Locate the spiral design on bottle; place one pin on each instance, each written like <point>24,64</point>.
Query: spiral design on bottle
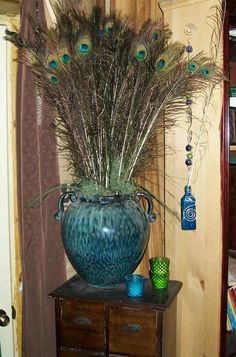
<point>190,29</point>
<point>190,213</point>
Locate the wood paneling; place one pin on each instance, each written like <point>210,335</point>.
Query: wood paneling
<point>196,255</point>
<point>101,3</point>
<point>140,10</point>
<point>124,7</point>
<point>11,8</point>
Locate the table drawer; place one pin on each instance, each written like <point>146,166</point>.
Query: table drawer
<point>79,354</point>
<point>134,332</point>
<point>82,325</point>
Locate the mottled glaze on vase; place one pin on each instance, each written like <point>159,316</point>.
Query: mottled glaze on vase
<point>105,238</point>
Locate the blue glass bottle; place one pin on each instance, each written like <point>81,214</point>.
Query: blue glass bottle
<point>188,210</point>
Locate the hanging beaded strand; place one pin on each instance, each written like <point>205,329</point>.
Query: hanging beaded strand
<point>189,102</point>
<point>188,202</point>
<point>189,30</point>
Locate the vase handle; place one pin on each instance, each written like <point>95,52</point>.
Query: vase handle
<point>150,214</point>
<point>73,196</point>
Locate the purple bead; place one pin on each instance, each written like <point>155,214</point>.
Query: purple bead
<point>189,48</point>
<point>188,162</point>
<point>189,101</point>
<point>188,147</point>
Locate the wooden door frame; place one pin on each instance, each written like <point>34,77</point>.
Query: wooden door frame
<point>7,205</point>
<point>230,4</point>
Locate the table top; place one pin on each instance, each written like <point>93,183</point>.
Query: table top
<point>77,289</point>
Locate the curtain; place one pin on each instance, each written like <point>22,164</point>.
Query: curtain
<point>43,265</point>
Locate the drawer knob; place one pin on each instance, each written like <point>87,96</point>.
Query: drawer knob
<point>82,321</point>
<point>133,328</point>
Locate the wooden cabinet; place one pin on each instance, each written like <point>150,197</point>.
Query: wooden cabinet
<point>93,322</point>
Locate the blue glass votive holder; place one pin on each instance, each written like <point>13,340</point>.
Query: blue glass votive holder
<point>134,285</point>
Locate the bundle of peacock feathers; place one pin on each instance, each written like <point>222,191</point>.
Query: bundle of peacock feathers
<point>115,91</point>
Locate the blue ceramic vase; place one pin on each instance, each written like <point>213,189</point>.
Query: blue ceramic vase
<point>105,237</point>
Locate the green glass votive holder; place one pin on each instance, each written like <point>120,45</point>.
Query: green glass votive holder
<point>159,265</point>
<point>159,281</point>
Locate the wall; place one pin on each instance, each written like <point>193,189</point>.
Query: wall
<point>196,255</point>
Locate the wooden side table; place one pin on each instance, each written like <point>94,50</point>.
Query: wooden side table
<point>93,322</point>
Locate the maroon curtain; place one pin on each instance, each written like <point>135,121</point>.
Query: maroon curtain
<point>43,265</point>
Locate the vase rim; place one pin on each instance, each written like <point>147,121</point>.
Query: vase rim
<point>116,197</point>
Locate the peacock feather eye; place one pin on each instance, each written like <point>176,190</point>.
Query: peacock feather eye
<point>21,42</point>
<point>169,58</point>
<point>141,53</point>
<point>161,63</point>
<point>205,72</point>
<point>156,36</point>
<point>92,58</point>
<point>100,33</point>
<point>192,67</point>
<point>108,27</point>
<point>130,58</point>
<point>83,46</point>
<point>53,79</point>
<point>53,64</point>
<point>65,58</point>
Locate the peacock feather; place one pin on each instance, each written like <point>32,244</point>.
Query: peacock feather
<point>169,58</point>
<point>115,90</point>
